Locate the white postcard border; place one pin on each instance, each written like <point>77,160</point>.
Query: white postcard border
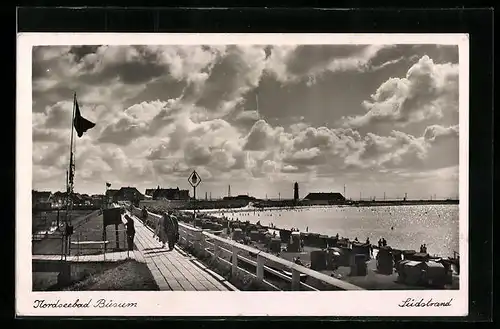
<point>175,303</point>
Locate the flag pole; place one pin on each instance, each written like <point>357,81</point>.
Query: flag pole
<point>69,186</point>
<point>72,160</point>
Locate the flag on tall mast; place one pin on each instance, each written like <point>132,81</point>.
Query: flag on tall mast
<point>81,125</point>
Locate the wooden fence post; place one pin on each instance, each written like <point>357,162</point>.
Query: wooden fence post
<point>216,249</point>
<point>234,259</point>
<point>203,244</point>
<point>183,237</point>
<point>295,280</point>
<point>104,237</point>
<point>78,246</point>
<point>117,237</point>
<point>260,268</point>
<point>69,245</point>
<point>125,239</point>
<point>197,245</point>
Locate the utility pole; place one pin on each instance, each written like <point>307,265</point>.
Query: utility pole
<point>344,192</point>
<point>384,196</point>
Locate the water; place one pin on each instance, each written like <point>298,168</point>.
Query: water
<point>434,225</point>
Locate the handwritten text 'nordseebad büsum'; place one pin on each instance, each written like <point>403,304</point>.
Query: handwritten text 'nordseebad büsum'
<point>100,303</point>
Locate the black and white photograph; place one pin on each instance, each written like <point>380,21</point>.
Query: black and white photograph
<point>223,168</point>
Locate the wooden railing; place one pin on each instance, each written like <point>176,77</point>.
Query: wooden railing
<point>217,247</point>
<point>87,217</point>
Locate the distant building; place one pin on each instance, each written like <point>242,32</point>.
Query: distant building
<point>325,198</point>
<point>128,193</point>
<point>240,197</point>
<point>97,200</point>
<point>40,198</point>
<point>170,194</point>
<point>110,195</point>
<point>78,199</point>
<point>233,201</point>
<point>150,192</point>
<point>58,198</point>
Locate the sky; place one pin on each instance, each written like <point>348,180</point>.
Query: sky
<point>375,119</point>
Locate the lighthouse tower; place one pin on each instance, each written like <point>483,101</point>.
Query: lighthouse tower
<point>296,192</point>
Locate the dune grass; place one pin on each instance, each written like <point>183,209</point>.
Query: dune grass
<point>128,275</point>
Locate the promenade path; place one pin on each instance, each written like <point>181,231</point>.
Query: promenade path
<point>174,270</point>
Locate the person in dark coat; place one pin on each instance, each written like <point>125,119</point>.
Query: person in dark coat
<point>145,216</point>
<point>130,233</point>
<point>172,229</point>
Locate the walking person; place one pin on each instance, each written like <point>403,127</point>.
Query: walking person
<point>160,231</point>
<point>172,229</point>
<point>145,216</point>
<point>130,233</point>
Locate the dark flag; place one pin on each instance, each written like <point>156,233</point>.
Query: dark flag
<point>108,184</point>
<point>81,124</point>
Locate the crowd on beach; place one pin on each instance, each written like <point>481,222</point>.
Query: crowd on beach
<point>166,229</point>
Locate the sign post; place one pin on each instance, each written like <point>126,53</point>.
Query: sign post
<point>194,180</point>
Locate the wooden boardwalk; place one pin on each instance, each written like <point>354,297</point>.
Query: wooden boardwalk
<point>108,257</point>
<point>174,270</point>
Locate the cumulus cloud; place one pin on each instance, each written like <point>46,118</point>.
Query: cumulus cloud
<point>391,150</point>
<point>140,119</point>
<point>428,90</point>
<point>294,63</point>
<point>435,133</point>
<point>262,136</point>
<point>247,118</point>
<point>238,71</point>
<point>162,111</point>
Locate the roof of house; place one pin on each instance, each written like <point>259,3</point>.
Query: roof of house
<point>111,192</point>
<point>167,192</point>
<point>239,197</point>
<point>41,194</point>
<point>128,190</point>
<point>324,196</point>
<point>131,189</point>
<point>77,196</point>
<point>150,191</point>
<point>434,264</point>
<point>412,263</point>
